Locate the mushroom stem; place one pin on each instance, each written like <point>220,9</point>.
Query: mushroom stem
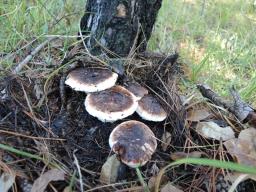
<point>143,183</point>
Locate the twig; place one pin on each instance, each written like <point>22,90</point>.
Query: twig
<point>30,137</point>
<point>207,92</point>
<point>32,54</point>
<point>79,172</point>
<point>243,111</point>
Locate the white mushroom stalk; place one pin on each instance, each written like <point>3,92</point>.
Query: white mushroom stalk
<point>138,90</point>
<point>135,143</point>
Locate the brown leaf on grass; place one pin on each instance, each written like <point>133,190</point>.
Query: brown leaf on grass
<point>244,147</point>
<point>180,155</point>
<point>41,183</point>
<point>214,131</point>
<point>109,171</point>
<point>198,115</point>
<point>170,188</point>
<point>166,140</point>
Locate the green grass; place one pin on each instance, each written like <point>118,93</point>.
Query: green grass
<point>206,162</point>
<point>22,21</point>
<point>216,39</point>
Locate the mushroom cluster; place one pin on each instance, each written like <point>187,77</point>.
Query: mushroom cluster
<point>133,141</point>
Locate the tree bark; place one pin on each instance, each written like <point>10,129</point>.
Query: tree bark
<point>118,27</point>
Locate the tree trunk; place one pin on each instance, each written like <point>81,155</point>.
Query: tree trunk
<point>117,27</point>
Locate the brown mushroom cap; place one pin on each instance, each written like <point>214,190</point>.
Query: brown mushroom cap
<point>134,142</point>
<point>111,104</point>
<point>150,109</point>
<point>138,90</point>
<point>91,79</point>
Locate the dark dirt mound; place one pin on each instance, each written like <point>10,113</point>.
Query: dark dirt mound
<point>40,116</point>
<point>31,108</point>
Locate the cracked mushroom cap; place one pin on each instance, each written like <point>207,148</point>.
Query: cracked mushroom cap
<point>138,90</point>
<point>111,104</point>
<point>150,109</point>
<point>91,79</point>
<point>134,142</point>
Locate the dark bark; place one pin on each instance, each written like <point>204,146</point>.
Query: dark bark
<point>120,26</point>
<point>243,111</point>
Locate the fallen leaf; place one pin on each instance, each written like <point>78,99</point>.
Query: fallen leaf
<point>248,135</point>
<point>236,178</point>
<point>243,148</point>
<point>214,131</point>
<point>170,188</point>
<point>6,181</point>
<point>198,115</point>
<point>166,140</point>
<point>154,170</point>
<point>68,189</point>
<point>38,89</point>
<point>180,155</point>
<point>109,171</point>
<point>152,181</point>
<point>41,183</point>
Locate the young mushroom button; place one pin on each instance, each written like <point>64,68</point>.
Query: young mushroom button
<point>91,79</point>
<point>111,104</point>
<point>138,90</point>
<point>134,142</point>
<point>150,109</point>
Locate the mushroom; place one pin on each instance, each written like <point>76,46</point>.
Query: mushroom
<point>138,90</point>
<point>150,109</point>
<point>134,142</point>
<point>111,104</point>
<point>91,79</point>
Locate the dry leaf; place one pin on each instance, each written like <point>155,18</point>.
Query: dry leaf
<point>180,155</point>
<point>243,148</point>
<point>152,181</point>
<point>154,170</point>
<point>198,115</point>
<point>41,183</point>
<point>68,189</point>
<point>170,188</point>
<point>166,140</point>
<point>248,135</point>
<point>236,178</point>
<point>214,131</point>
<point>109,171</point>
<point>6,182</point>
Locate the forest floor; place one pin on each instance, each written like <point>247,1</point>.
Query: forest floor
<point>216,44</point>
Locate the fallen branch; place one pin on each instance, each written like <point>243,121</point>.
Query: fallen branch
<point>242,110</point>
<point>31,55</point>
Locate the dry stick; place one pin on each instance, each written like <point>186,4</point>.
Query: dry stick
<point>243,111</point>
<point>32,54</point>
<point>30,137</point>
<point>79,171</point>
